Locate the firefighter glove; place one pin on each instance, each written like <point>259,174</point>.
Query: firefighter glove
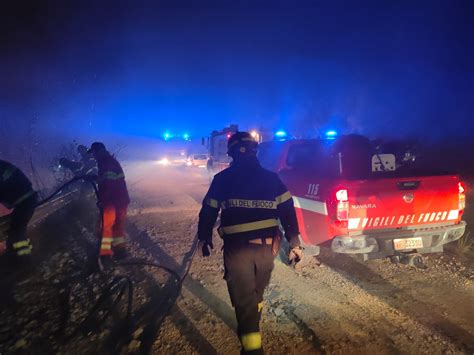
<point>205,248</point>
<point>295,255</point>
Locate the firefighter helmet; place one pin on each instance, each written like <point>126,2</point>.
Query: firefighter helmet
<point>96,147</point>
<point>241,144</point>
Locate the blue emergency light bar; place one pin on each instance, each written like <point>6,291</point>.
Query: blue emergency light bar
<point>280,135</point>
<point>331,134</point>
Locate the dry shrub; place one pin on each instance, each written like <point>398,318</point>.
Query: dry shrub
<point>465,244</point>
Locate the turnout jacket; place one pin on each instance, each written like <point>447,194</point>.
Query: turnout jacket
<point>252,201</point>
<point>111,182</point>
<point>15,187</point>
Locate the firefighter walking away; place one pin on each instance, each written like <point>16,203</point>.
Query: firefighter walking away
<point>113,201</point>
<point>16,193</point>
<point>253,202</point>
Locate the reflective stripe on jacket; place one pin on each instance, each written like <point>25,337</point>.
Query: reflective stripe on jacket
<point>111,183</point>
<point>252,201</point>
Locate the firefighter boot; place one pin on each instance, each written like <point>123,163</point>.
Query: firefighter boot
<point>251,344</point>
<point>18,267</point>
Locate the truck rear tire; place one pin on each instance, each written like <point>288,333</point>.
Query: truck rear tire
<point>415,260</point>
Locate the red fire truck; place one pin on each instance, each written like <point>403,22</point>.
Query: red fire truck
<point>357,201</point>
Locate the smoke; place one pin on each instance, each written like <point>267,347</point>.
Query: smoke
<point>94,70</point>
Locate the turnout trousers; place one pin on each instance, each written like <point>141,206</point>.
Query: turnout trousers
<point>17,240</point>
<point>113,229</point>
<point>248,269</point>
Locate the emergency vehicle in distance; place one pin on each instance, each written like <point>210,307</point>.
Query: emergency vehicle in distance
<point>173,150</point>
<point>197,160</point>
<point>217,147</point>
<point>357,200</point>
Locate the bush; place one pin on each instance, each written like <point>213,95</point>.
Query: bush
<point>465,244</point>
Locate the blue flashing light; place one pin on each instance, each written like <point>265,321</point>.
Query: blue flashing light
<point>280,134</point>
<point>186,136</point>
<point>331,134</point>
<point>166,136</point>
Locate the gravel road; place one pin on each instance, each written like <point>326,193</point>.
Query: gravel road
<point>343,305</point>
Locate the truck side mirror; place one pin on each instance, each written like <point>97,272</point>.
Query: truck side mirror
<point>203,141</point>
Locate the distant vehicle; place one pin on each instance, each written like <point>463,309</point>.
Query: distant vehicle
<point>217,146</point>
<point>357,201</point>
<point>173,158</point>
<point>197,160</point>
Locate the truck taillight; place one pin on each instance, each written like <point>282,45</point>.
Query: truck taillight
<point>342,210</point>
<point>462,196</point>
<point>341,195</point>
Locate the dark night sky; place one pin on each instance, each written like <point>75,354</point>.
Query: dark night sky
<point>92,68</point>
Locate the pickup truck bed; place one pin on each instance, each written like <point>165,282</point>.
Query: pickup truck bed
<point>377,215</point>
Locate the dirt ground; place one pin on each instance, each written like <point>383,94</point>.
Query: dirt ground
<point>343,306</point>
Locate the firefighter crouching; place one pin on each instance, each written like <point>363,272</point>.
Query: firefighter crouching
<point>17,193</point>
<point>253,201</point>
<point>113,201</point>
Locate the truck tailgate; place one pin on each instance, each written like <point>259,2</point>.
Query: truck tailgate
<point>401,202</point>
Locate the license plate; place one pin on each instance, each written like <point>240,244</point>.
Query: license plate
<point>407,243</point>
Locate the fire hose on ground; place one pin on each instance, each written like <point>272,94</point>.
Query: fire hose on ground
<point>120,285</point>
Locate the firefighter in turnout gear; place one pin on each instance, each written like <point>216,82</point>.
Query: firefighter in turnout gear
<point>17,193</point>
<point>85,166</point>
<point>113,201</point>
<point>253,202</point>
